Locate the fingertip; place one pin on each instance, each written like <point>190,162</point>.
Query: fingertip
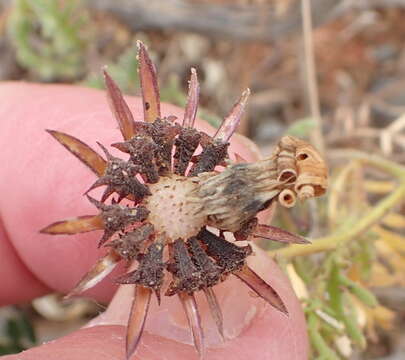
<point>97,343</point>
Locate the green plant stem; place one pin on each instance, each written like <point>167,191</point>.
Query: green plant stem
<point>376,161</point>
<point>340,237</point>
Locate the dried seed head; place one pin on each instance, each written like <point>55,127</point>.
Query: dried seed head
<point>174,198</point>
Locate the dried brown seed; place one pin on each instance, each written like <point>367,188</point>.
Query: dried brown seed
<point>228,256</point>
<point>117,218</point>
<point>143,151</point>
<point>213,154</point>
<point>120,178</point>
<point>150,271</point>
<point>132,243</point>
<point>186,277</point>
<point>186,144</point>
<point>246,230</point>
<point>163,133</point>
<point>210,272</point>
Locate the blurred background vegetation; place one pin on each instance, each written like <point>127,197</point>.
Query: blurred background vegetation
<point>335,76</point>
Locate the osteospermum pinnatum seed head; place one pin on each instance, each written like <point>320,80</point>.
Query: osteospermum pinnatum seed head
<point>179,206</point>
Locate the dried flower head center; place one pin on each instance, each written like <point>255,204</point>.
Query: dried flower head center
<point>176,195</point>
<point>171,211</point>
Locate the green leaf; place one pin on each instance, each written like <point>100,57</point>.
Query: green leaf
<point>344,307</point>
<point>349,319</point>
<point>359,291</point>
<point>317,340</point>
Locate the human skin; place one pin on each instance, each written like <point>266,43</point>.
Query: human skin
<point>40,182</point>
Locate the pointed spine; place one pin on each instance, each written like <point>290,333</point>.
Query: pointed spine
<point>192,100</point>
<point>149,85</point>
<point>119,108</point>
<point>98,272</point>
<point>137,318</point>
<point>76,225</point>
<point>276,234</point>
<point>239,159</point>
<point>231,122</point>
<point>194,321</point>
<point>261,288</point>
<point>82,151</point>
<point>215,310</point>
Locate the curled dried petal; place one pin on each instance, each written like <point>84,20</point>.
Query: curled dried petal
<point>287,198</point>
<point>310,167</point>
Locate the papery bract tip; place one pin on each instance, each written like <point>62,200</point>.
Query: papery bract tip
<point>81,150</point>
<point>261,288</point>
<point>231,122</point>
<point>190,111</point>
<point>119,107</point>
<point>76,225</point>
<point>149,85</point>
<point>137,317</point>
<point>97,273</point>
<point>194,321</point>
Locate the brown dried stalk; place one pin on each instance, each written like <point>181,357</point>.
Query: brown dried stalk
<point>196,195</point>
